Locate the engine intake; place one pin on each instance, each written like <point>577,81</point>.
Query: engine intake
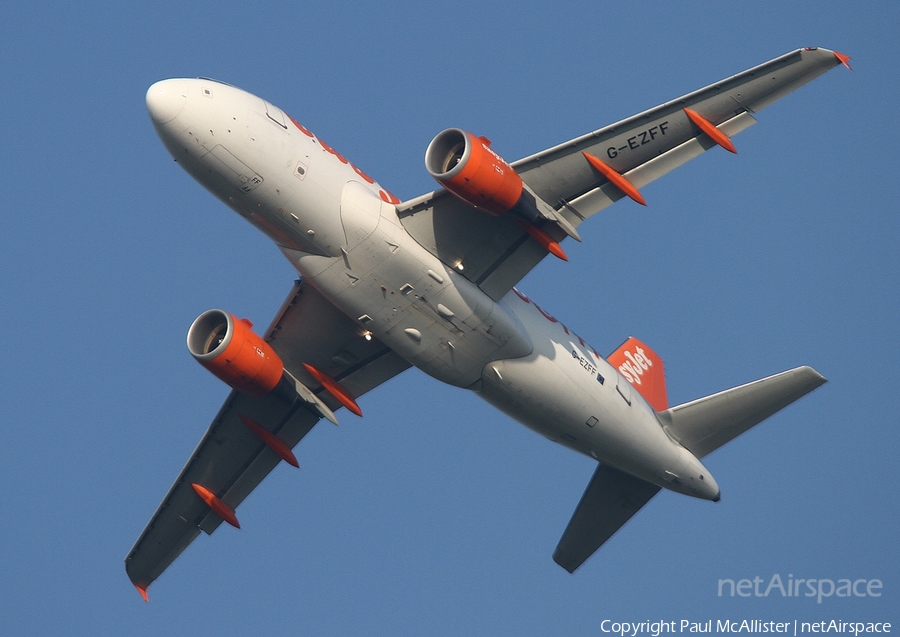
<point>466,166</point>
<point>234,353</point>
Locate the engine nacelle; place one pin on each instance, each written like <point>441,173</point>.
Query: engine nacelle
<point>230,349</point>
<point>466,166</point>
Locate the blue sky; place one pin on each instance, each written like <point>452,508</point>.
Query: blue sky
<point>435,514</point>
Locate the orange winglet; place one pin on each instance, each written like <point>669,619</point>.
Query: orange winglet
<point>272,441</point>
<point>334,388</point>
<point>544,239</point>
<point>617,180</point>
<point>845,59</point>
<point>710,129</point>
<point>143,591</point>
<point>222,510</point>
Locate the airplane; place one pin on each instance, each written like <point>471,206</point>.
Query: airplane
<point>385,285</point>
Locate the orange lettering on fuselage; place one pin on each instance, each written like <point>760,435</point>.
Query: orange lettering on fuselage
<point>553,319</point>
<point>300,127</point>
<point>390,198</point>
<point>333,152</point>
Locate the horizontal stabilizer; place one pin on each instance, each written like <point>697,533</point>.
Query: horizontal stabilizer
<point>609,501</point>
<point>702,426</point>
<point>705,424</point>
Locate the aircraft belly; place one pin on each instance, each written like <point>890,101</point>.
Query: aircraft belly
<point>348,242</point>
<point>593,422</point>
<point>535,393</point>
<point>408,299</point>
<point>572,396</point>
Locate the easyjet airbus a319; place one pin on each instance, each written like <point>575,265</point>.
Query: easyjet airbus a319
<point>384,285</point>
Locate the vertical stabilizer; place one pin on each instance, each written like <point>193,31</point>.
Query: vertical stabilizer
<point>643,368</point>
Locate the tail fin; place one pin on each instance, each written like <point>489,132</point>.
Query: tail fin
<point>705,424</point>
<point>643,368</point>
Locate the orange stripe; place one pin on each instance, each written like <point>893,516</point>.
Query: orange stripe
<point>615,178</point>
<point>710,129</point>
<point>388,197</point>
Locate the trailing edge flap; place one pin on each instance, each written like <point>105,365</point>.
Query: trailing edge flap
<point>609,501</point>
<point>705,424</point>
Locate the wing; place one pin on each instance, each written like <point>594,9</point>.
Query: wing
<point>495,253</point>
<point>231,460</point>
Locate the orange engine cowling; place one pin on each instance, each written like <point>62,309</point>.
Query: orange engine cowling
<point>230,349</point>
<point>466,166</point>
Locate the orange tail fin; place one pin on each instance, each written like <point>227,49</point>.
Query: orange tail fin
<point>643,368</point>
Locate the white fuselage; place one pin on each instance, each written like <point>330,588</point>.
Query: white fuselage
<point>340,230</point>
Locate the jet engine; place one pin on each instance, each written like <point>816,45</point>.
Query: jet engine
<point>233,352</point>
<point>466,166</point>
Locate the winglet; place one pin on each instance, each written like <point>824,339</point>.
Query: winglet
<point>844,59</point>
<point>143,591</point>
<point>643,368</point>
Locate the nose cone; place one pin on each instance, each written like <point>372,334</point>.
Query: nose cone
<point>165,100</point>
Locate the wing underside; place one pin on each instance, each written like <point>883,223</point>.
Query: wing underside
<point>495,253</point>
<point>231,460</point>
